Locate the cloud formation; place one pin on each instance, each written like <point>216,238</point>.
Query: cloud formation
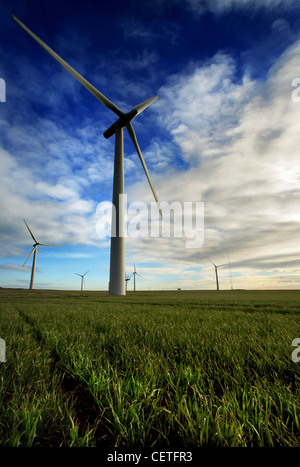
<point>222,6</point>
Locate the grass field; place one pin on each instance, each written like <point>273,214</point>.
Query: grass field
<point>163,369</point>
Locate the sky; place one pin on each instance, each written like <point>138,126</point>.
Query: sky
<point>224,134</point>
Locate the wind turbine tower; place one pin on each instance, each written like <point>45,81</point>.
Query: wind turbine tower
<point>34,251</point>
<point>216,271</point>
<point>117,247</point>
<point>82,278</point>
<point>134,274</point>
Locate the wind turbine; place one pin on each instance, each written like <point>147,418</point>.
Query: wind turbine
<point>216,271</point>
<point>82,278</point>
<point>134,274</point>
<point>127,278</point>
<point>117,248</point>
<point>34,251</point>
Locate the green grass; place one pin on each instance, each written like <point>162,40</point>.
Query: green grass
<point>163,369</point>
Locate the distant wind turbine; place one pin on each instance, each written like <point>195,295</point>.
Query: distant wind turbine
<point>34,251</point>
<point>127,278</point>
<point>82,278</point>
<point>117,248</point>
<point>134,274</point>
<point>216,271</point>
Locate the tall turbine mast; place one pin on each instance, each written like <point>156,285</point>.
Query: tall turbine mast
<point>216,272</point>
<point>134,274</point>
<point>117,248</point>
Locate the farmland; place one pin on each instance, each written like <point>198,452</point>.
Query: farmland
<point>163,369</point>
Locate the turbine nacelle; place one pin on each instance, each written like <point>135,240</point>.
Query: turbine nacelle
<point>125,119</point>
<point>120,123</point>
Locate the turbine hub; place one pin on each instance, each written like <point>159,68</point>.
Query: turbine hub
<point>120,123</point>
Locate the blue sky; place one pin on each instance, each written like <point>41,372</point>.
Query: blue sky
<point>224,132</point>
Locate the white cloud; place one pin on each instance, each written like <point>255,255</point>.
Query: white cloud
<point>221,6</point>
<point>55,212</point>
<point>14,267</point>
<point>205,99</point>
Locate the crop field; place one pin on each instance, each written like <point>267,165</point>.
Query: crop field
<point>152,369</point>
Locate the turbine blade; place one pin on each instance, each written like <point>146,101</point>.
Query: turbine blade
<point>136,145</point>
<point>30,231</point>
<point>77,274</point>
<point>47,244</point>
<point>33,249</point>
<point>144,105</point>
<point>211,262</point>
<point>85,273</point>
<point>73,72</point>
